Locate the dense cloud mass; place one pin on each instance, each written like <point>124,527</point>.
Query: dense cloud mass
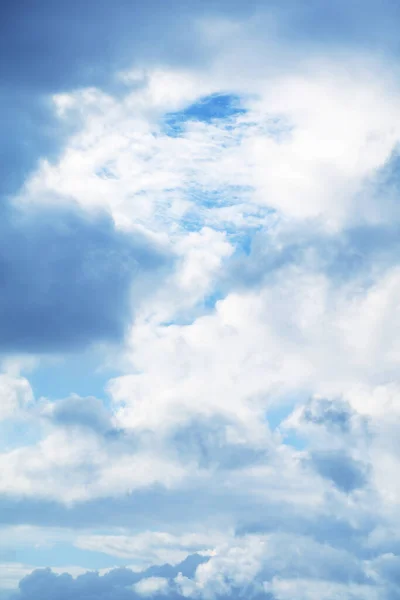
<point>199,307</point>
<point>66,278</point>
<point>219,580</point>
<point>117,583</point>
<point>59,46</point>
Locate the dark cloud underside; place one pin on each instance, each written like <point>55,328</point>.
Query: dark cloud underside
<point>65,279</point>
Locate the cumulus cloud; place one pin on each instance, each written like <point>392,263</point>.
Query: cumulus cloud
<point>248,566</point>
<point>78,59</point>
<point>152,586</point>
<point>113,583</point>
<point>15,395</point>
<point>61,45</point>
<point>254,414</point>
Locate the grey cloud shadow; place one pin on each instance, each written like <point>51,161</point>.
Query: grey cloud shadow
<point>116,584</point>
<point>358,252</point>
<point>204,441</point>
<point>66,277</point>
<point>346,473</point>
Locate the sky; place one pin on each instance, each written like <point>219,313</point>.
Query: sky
<point>199,307</point>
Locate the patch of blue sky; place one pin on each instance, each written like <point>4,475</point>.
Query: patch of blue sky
<point>243,240</point>
<point>73,374</point>
<point>17,432</point>
<point>207,202</point>
<point>204,306</point>
<point>276,415</point>
<point>225,196</point>
<point>191,222</point>
<point>211,300</point>
<point>209,109</point>
<point>64,554</point>
<point>106,172</point>
<point>290,438</point>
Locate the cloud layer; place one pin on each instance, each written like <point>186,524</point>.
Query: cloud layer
<point>200,206</point>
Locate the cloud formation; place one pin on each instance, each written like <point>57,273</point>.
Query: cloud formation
<point>66,278</point>
<point>208,199</point>
<point>117,583</point>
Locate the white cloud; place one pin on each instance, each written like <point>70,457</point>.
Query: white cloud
<point>341,126</point>
<point>299,333</point>
<point>151,586</point>
<point>11,573</point>
<point>233,566</point>
<point>250,563</point>
<point>309,148</point>
<point>72,466</point>
<point>152,547</point>
<point>15,395</point>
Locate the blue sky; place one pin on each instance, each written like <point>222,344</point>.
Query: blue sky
<point>199,308</point>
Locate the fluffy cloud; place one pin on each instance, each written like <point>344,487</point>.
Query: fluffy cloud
<point>152,586</point>
<point>207,358</point>
<point>113,583</point>
<point>15,394</point>
<point>253,414</point>
<point>258,566</point>
<point>56,47</point>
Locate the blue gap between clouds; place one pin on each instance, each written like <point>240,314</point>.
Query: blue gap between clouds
<point>215,198</point>
<point>75,374</point>
<point>242,242</point>
<point>276,415</point>
<point>13,431</point>
<point>205,110</point>
<point>203,203</point>
<point>61,555</point>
